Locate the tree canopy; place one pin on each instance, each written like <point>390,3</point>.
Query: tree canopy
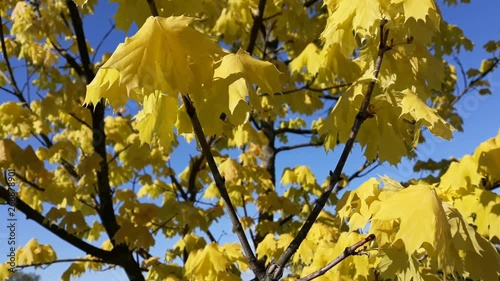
<point>88,137</point>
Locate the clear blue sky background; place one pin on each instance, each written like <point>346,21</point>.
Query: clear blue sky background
<point>479,21</point>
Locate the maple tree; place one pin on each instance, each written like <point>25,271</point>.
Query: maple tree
<point>238,79</point>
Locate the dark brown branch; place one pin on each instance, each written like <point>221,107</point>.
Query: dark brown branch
<point>7,62</point>
<point>291,147</point>
<point>105,209</point>
<point>349,251</point>
<point>245,213</point>
<point>307,86</point>
<point>152,8</point>
<point>117,153</point>
<point>69,59</point>
<point>462,70</point>
<point>295,131</point>
<point>221,187</point>
<point>102,41</point>
<point>335,176</point>
<point>7,90</point>
<point>59,232</point>
<point>195,167</point>
<point>285,219</point>
<point>80,120</point>
<point>473,82</point>
<point>210,236</point>
<point>257,23</point>
<point>361,169</point>
<point>309,3</point>
<point>178,185</point>
<point>46,264</point>
<point>338,86</point>
<point>26,181</point>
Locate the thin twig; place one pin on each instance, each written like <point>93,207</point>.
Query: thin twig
<point>301,145</point>
<point>295,131</point>
<point>335,176</point>
<point>41,264</point>
<point>473,82</point>
<point>117,153</point>
<point>102,40</point>
<point>69,59</point>
<point>349,251</point>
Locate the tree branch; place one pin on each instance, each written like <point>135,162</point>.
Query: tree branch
<point>59,232</point>
<point>276,272</point>
<point>309,3</point>
<point>291,147</point>
<point>473,82</point>
<point>58,261</point>
<point>257,23</point>
<point>102,40</point>
<point>295,131</point>
<point>105,209</point>
<point>361,169</point>
<point>7,62</point>
<point>152,8</point>
<point>69,59</point>
<point>349,251</point>
<point>221,187</point>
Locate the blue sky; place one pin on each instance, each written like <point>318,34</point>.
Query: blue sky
<point>479,21</point>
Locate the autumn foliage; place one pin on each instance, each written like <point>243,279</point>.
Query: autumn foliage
<point>244,81</point>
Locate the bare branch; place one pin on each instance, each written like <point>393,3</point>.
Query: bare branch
<point>473,82</point>
<point>102,40</point>
<point>359,172</point>
<point>335,176</point>
<point>221,187</point>
<point>349,251</point>
<point>7,61</point>
<point>61,233</point>
<point>26,181</point>
<point>46,264</point>
<point>69,59</point>
<point>117,153</point>
<point>309,3</point>
<point>291,147</point>
<point>295,131</point>
<point>257,23</point>
<point>152,8</point>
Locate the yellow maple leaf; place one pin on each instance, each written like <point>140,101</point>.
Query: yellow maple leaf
<point>261,73</point>
<point>158,118</point>
<point>411,104</point>
<point>165,54</point>
<point>310,58</point>
<point>33,252</point>
<point>433,234</point>
<point>207,263</point>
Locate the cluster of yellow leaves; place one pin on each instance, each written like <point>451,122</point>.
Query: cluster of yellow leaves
<point>31,253</point>
<point>467,185</point>
<point>454,223</point>
<point>408,75</point>
<point>425,226</point>
<point>167,57</point>
<point>215,262</point>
